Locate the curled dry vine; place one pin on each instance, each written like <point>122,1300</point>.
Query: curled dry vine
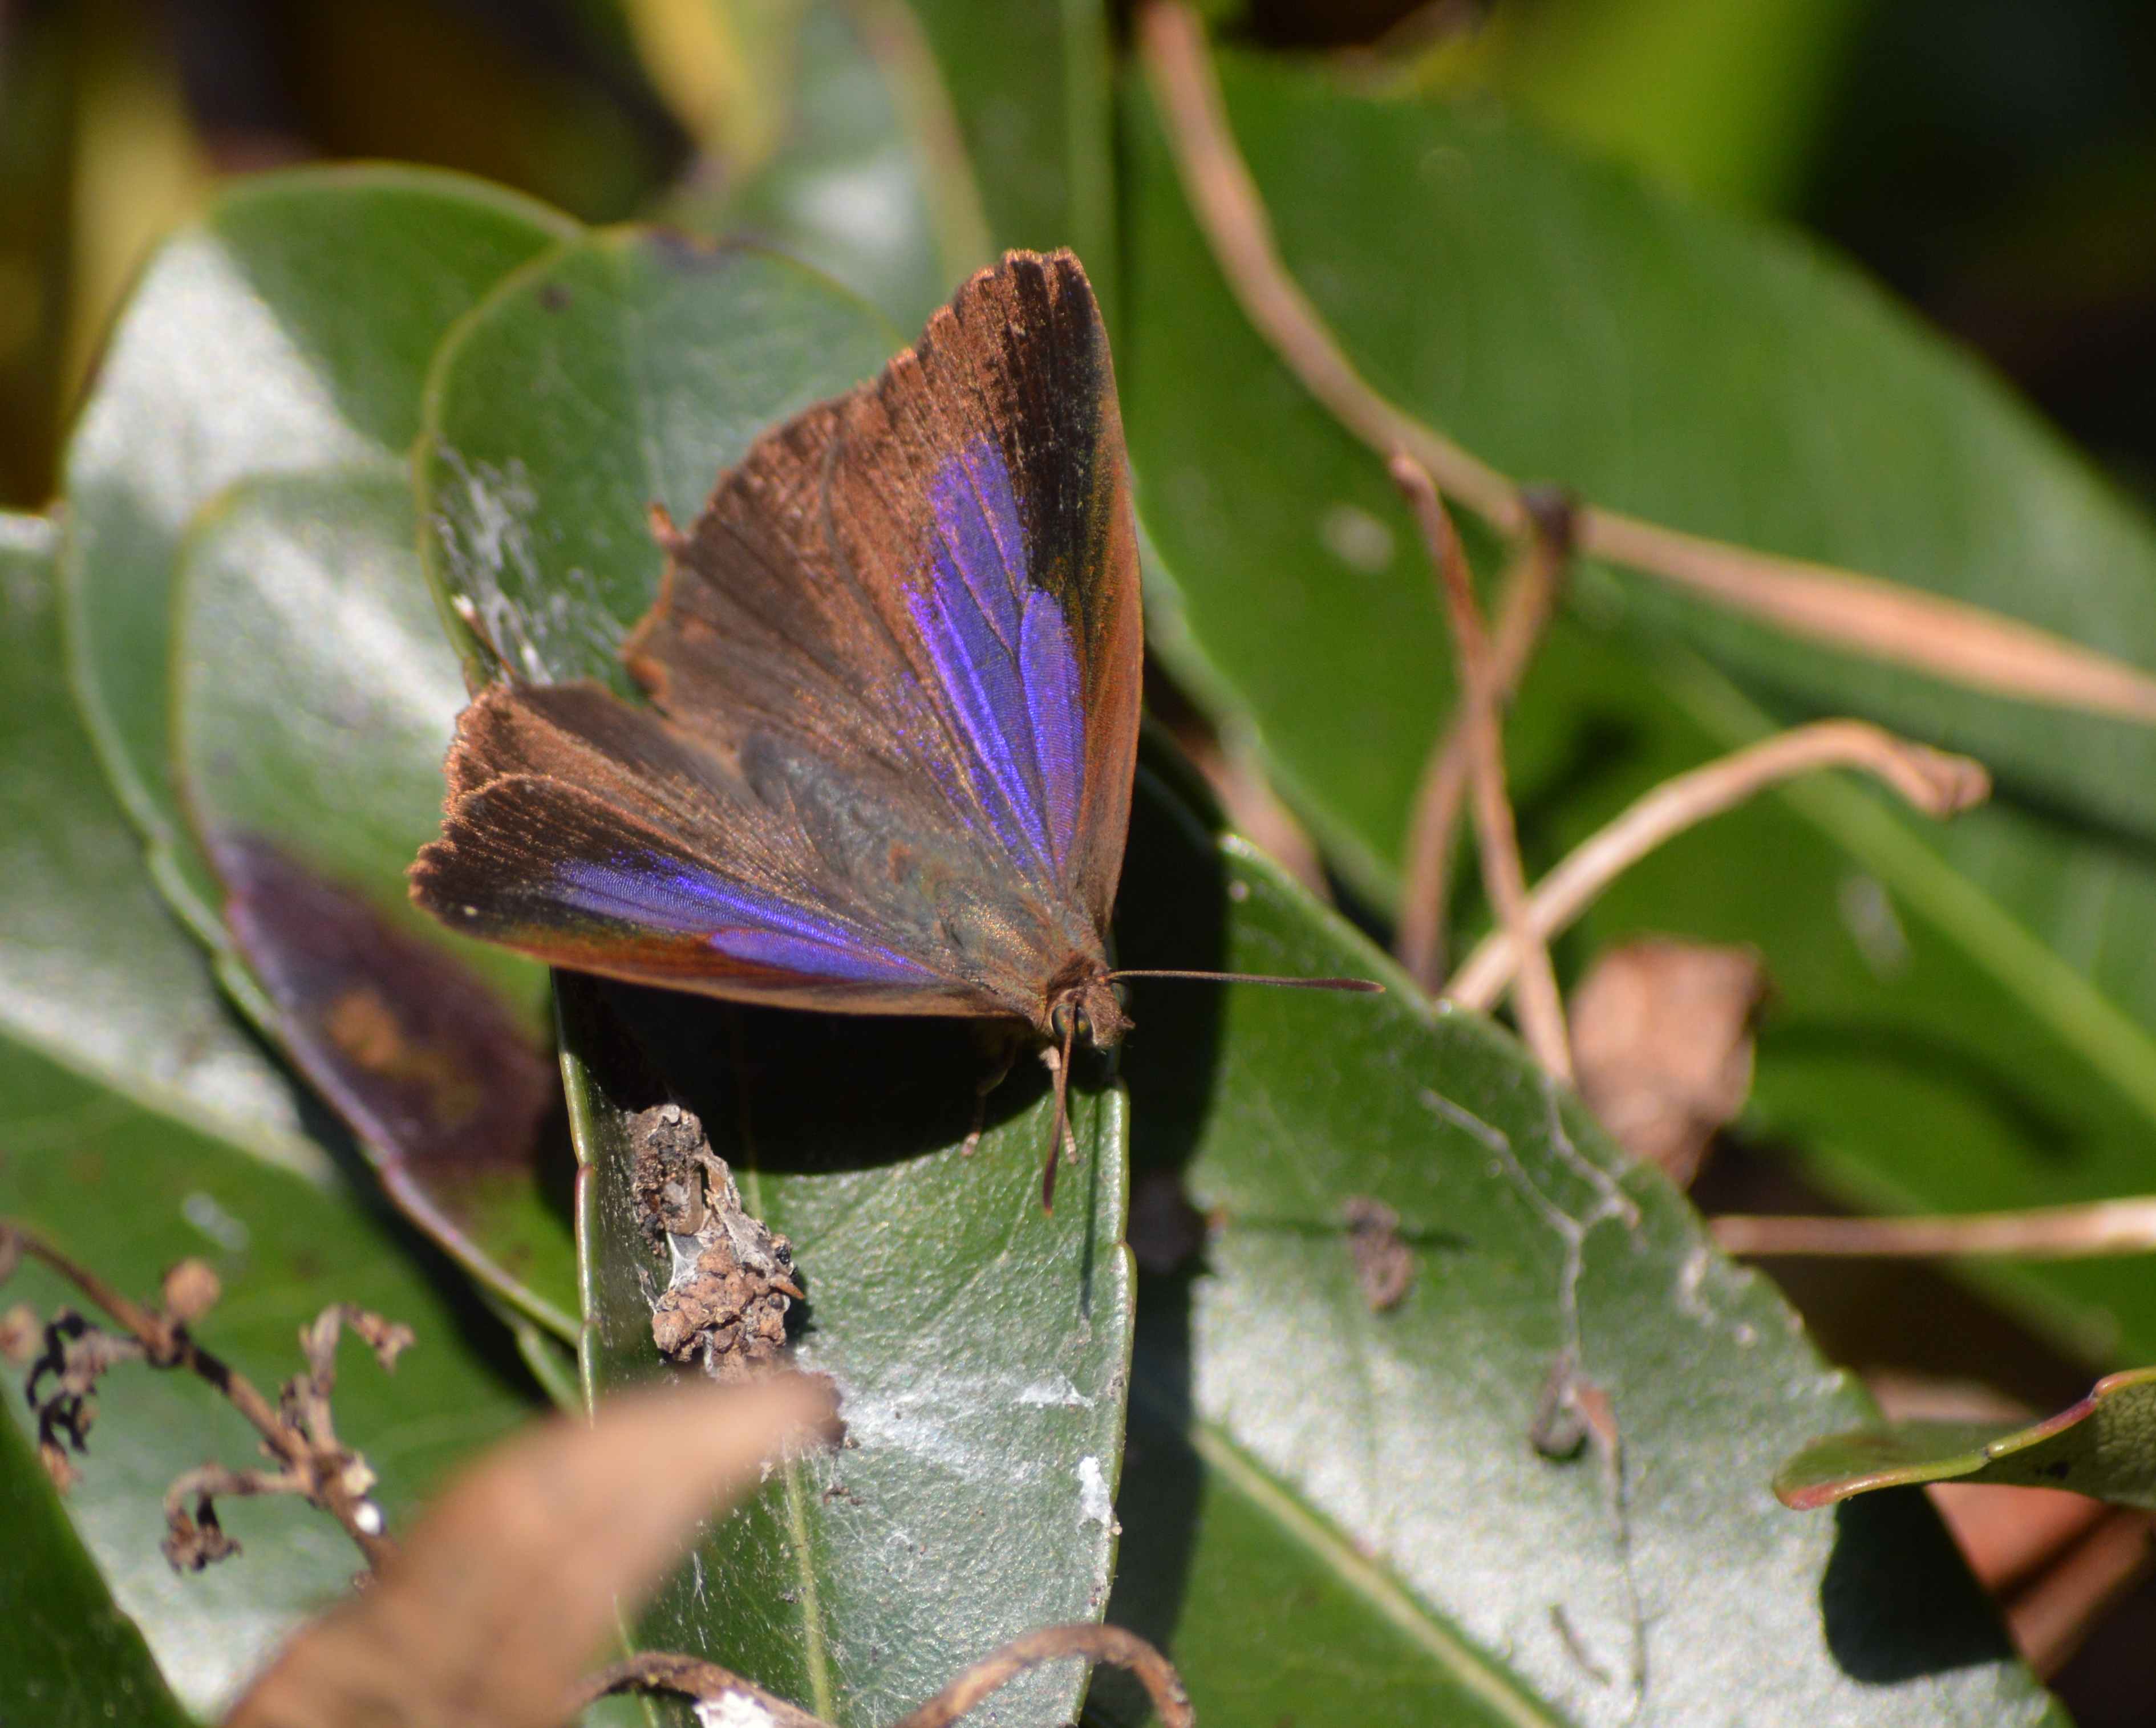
<point>720,1689</point>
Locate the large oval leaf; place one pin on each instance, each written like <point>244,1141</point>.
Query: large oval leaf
<point>138,1123</point>
<point>94,974</point>
<point>253,345</point>
<point>1381,1457</point>
<point>979,1346</point>
<point>314,699</point>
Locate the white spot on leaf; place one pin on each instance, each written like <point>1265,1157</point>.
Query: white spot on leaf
<point>1355,538</point>
<point>1096,1504</point>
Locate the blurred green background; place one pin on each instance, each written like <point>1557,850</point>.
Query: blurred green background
<point>1993,161</point>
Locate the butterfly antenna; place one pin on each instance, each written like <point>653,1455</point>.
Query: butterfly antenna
<point>1363,987</point>
<point>1062,1067</point>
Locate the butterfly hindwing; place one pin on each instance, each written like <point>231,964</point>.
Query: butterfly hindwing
<point>894,670</point>
<point>592,835</point>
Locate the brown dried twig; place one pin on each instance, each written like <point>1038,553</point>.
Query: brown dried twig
<point>707,1682</point>
<point>2046,1233</point>
<point>1527,594</point>
<point>1936,783</point>
<point>1542,1009</point>
<point>297,1433</point>
<point>1885,621</point>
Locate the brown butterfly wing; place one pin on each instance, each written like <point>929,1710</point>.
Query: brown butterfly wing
<point>894,676</point>
<point>814,556</point>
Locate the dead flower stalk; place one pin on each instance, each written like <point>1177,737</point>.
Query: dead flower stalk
<point>297,1432</point>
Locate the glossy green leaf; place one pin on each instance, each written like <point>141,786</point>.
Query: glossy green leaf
<point>979,1346</point>
<point>1564,323</point>
<point>93,973</point>
<point>626,370</point>
<point>69,1659</point>
<point>847,186</point>
<point>289,329</point>
<point>2103,1447</point>
<point>1031,86</point>
<point>315,697</point>
<point>1384,1456</point>
<point>139,1123</point>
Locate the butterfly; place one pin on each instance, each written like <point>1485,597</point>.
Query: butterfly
<point>893,680</point>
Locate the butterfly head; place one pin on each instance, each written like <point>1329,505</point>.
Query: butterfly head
<point>1082,1003</point>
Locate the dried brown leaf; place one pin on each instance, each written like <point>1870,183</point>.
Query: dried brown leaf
<point>509,1584</point>
<point>1661,1040</point>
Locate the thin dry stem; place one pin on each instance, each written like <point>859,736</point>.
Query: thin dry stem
<point>1950,639</point>
<point>692,1677</point>
<point>1226,198</point>
<point>1527,594</point>
<point>1051,1644</point>
<point>1542,1009</point>
<point>2048,1232</point>
<point>1947,638</point>
<point>1936,783</point>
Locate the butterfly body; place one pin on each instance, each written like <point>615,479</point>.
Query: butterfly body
<point>886,763</point>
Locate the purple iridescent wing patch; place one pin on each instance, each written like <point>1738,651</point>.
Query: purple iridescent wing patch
<point>755,929</point>
<point>886,762</point>
<point>1004,658</point>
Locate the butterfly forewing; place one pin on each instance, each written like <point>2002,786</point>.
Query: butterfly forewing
<point>894,672</point>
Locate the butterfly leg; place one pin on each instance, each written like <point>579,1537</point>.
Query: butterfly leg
<point>1000,1046</point>
<point>1054,1060</point>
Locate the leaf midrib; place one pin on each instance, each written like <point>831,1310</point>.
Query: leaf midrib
<point>1377,1585</point>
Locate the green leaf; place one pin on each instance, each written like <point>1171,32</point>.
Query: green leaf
<point>1569,325</point>
<point>315,697</point>
<point>1032,89</point>
<point>979,1346</point>
<point>2104,1447</point>
<point>289,329</point>
<point>69,1659</point>
<point>627,369</point>
<point>140,1124</point>
<point>1377,1465</point>
<point>1563,323</point>
<point>1926,1048</point>
<point>850,187</point>
<point>93,973</point>
<point>1726,101</point>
